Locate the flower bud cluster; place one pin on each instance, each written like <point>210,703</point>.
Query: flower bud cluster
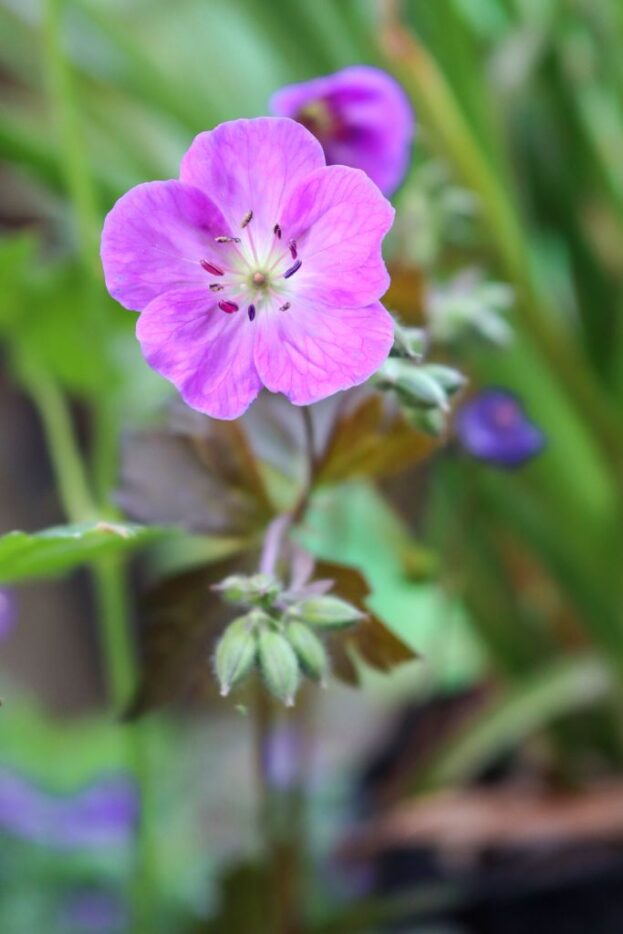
<point>280,635</point>
<point>423,390</point>
<point>469,306</point>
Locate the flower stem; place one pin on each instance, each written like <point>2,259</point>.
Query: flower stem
<point>281,810</point>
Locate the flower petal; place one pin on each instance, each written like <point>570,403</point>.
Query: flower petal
<point>252,165</point>
<point>205,353</point>
<point>338,218</point>
<point>153,240</point>
<point>309,352</point>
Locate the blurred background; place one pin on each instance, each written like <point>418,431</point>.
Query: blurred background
<point>477,789</point>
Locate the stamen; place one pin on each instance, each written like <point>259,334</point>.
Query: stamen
<point>228,307</point>
<point>248,217</point>
<point>210,267</point>
<point>215,287</point>
<point>251,312</point>
<point>285,307</point>
<point>293,250</point>
<point>293,268</point>
<point>277,231</point>
<point>227,239</point>
<point>259,278</point>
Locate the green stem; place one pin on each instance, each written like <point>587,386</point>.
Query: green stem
<point>74,156</point>
<point>67,463</point>
<point>108,575</point>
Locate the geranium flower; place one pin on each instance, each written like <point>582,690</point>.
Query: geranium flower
<point>494,427</point>
<point>361,116</point>
<point>261,266</point>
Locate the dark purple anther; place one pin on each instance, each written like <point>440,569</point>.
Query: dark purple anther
<point>248,217</point>
<point>210,267</point>
<point>284,307</point>
<point>293,250</point>
<point>227,239</point>
<point>277,231</point>
<point>215,287</point>
<point>251,312</point>
<point>228,307</point>
<point>293,268</point>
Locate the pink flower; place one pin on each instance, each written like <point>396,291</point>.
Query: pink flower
<point>260,267</point>
<point>362,117</point>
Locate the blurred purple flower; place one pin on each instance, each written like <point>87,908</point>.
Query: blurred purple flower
<point>494,427</point>
<point>7,613</point>
<point>104,814</point>
<point>361,116</point>
<point>94,910</point>
<point>262,266</point>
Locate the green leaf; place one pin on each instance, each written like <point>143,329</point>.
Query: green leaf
<point>60,549</point>
<point>558,689</point>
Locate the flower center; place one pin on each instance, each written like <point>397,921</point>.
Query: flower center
<point>505,414</point>
<point>251,273</point>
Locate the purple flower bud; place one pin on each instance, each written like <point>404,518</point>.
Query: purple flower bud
<point>494,427</point>
<point>360,115</point>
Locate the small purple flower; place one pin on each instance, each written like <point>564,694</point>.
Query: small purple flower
<point>494,427</point>
<point>104,814</point>
<point>361,116</point>
<point>260,267</point>
<point>7,613</point>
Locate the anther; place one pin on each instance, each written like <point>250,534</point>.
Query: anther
<point>248,217</point>
<point>210,267</point>
<point>251,312</point>
<point>293,268</point>
<point>285,307</point>
<point>277,231</point>
<point>228,307</point>
<point>215,287</point>
<point>293,250</point>
<point>227,239</point>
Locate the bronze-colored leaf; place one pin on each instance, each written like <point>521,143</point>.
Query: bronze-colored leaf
<point>183,618</point>
<point>406,294</point>
<point>370,641</point>
<point>198,473</point>
<point>371,438</point>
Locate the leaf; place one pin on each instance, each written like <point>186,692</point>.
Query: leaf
<point>370,640</point>
<point>406,294</point>
<point>371,438</point>
<point>198,473</point>
<point>183,616</point>
<point>60,549</point>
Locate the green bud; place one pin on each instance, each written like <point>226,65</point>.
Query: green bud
<point>448,378</point>
<point>279,665</point>
<point>235,653</point>
<point>410,342</point>
<point>310,651</point>
<point>413,384</point>
<point>326,612</point>
<point>430,421</point>
<point>256,589</point>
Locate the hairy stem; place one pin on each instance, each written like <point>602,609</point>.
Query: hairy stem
<point>281,811</point>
